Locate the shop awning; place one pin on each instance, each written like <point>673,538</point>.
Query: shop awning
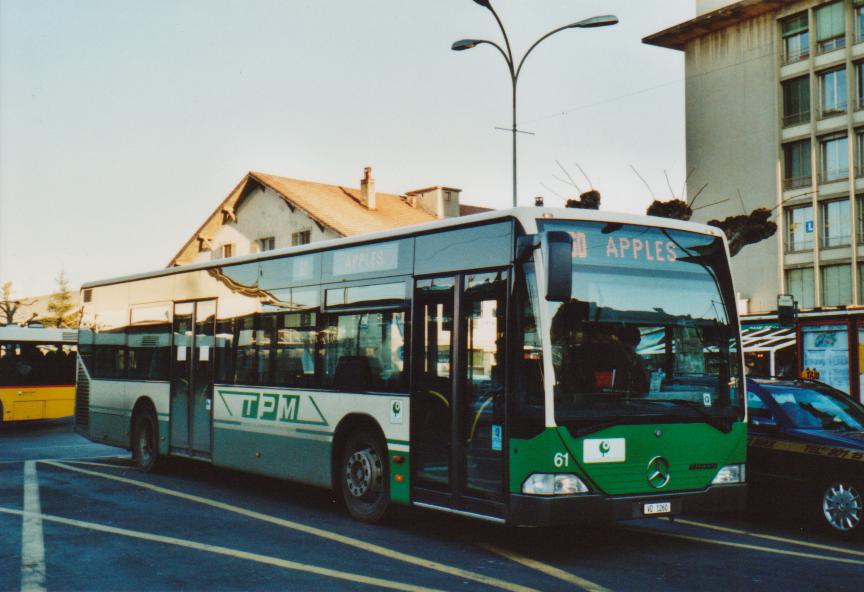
<point>767,339</point>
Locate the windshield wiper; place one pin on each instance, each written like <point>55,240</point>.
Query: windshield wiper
<point>723,424</point>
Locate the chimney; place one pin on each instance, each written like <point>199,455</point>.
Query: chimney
<point>367,189</point>
<point>441,202</point>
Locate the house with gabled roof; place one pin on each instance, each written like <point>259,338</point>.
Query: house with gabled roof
<point>265,212</point>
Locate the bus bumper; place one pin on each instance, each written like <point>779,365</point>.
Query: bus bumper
<point>531,510</point>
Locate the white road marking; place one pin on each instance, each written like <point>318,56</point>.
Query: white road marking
<point>747,546</point>
<point>32,541</point>
<point>549,570</point>
<point>283,563</point>
<point>362,545</point>
<point>771,537</point>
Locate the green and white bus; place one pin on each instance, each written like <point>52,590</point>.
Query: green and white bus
<point>530,366</point>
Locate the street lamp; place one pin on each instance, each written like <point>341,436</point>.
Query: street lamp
<point>463,44</point>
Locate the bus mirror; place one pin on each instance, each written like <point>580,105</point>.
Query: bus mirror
<point>557,249</point>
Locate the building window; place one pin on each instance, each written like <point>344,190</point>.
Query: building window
<point>836,285</point>
<point>859,153</point>
<point>835,223</point>
<point>799,283</point>
<point>859,203</point>
<point>859,19</point>
<point>227,250</point>
<point>835,157</point>
<point>266,244</point>
<point>796,101</point>
<point>832,86</point>
<point>859,85</point>
<point>799,229</point>
<point>796,38</point>
<point>797,164</point>
<point>830,27</point>
<point>304,237</point>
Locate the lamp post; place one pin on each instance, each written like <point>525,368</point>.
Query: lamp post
<point>463,44</point>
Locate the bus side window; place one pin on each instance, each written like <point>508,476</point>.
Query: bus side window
<point>365,352</point>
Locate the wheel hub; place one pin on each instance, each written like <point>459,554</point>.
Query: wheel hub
<point>842,506</point>
<point>363,473</point>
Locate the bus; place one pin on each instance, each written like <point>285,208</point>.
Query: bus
<point>37,373</point>
<point>529,366</point>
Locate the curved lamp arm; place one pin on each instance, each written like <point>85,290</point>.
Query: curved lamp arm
<point>464,44</point>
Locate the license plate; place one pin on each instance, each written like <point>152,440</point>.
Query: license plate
<point>657,508</point>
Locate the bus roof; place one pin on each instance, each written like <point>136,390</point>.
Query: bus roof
<point>40,334</point>
<point>527,216</point>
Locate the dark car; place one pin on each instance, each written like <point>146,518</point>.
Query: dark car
<point>806,444</point>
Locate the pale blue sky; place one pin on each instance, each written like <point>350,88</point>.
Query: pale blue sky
<point>124,123</point>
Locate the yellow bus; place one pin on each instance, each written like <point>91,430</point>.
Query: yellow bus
<point>37,373</point>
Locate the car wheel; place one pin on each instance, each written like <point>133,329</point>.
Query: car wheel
<point>363,477</point>
<point>145,440</point>
<point>842,506</point>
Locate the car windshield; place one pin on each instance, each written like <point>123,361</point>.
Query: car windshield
<point>809,408</point>
<point>648,331</point>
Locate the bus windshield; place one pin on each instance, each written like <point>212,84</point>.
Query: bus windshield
<point>650,333</point>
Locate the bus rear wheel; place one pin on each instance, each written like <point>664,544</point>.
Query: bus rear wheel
<point>363,476</point>
<point>145,440</point>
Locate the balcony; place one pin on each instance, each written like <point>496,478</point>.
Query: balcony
<point>838,108</point>
<point>838,174</point>
<point>797,182</point>
<point>793,56</point>
<point>796,118</point>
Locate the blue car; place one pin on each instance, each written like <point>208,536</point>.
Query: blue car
<point>806,443</point>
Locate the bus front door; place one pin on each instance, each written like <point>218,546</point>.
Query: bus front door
<point>192,377</point>
<point>457,410</point>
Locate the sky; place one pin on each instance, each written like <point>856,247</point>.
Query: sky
<point>124,123</point>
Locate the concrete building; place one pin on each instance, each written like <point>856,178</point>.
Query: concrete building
<point>265,212</point>
<point>774,97</point>
<point>773,111</point>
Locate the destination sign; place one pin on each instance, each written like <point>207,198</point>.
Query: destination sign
<point>603,243</point>
<point>366,259</point>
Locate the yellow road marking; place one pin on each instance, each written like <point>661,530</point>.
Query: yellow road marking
<point>275,561</point>
<point>771,537</point>
<point>747,546</point>
<point>549,570</point>
<point>324,534</point>
<point>32,539</point>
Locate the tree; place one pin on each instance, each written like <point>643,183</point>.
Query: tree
<point>61,307</point>
<point>8,306</point>
<point>588,200</point>
<point>744,229</point>
<point>674,208</point>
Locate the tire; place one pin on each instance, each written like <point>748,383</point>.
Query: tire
<point>841,506</point>
<point>145,440</point>
<point>364,476</point>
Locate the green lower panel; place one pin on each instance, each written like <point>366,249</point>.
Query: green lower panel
<point>109,428</point>
<point>400,478</point>
<point>285,457</point>
<point>164,444</point>
<point>693,451</point>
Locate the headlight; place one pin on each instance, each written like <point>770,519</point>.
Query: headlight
<point>729,474</point>
<point>554,484</point>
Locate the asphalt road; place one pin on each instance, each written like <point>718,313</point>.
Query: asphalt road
<point>93,522</point>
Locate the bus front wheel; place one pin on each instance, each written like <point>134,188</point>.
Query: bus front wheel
<point>363,476</point>
<point>145,440</point>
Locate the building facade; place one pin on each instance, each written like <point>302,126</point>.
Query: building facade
<point>265,212</point>
<point>774,95</point>
<point>775,119</point>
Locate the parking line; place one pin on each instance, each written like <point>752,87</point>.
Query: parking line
<point>549,570</point>
<point>324,534</point>
<point>32,539</point>
<point>275,561</point>
<point>747,546</point>
<point>771,537</point>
